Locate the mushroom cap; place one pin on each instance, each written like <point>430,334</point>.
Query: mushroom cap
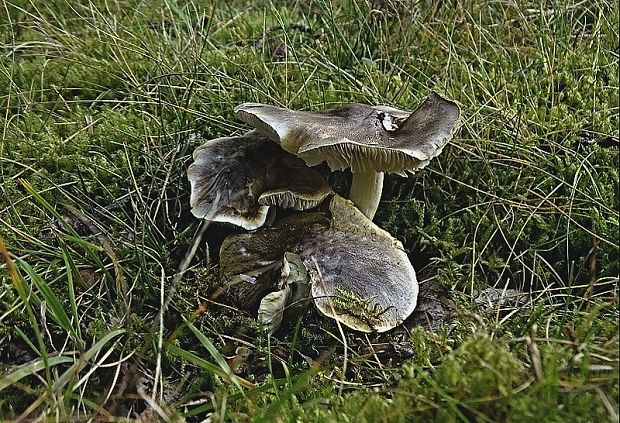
<point>236,179</point>
<point>359,136</point>
<point>359,273</point>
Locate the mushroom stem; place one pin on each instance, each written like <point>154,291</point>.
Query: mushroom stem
<point>366,189</point>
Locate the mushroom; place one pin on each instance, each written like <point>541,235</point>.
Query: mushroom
<point>370,140</point>
<point>293,288</point>
<point>358,273</point>
<point>236,179</point>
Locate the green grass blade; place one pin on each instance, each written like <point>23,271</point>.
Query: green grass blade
<point>47,206</point>
<point>18,283</point>
<point>219,359</point>
<point>54,304</point>
<point>72,270</point>
<point>85,358</point>
<point>30,369</point>
<point>207,365</point>
<point>27,340</point>
<point>85,244</point>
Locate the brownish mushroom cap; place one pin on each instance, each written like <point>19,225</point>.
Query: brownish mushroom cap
<point>359,274</point>
<point>368,139</point>
<point>236,179</point>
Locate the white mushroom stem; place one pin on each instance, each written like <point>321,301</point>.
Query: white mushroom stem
<point>366,189</point>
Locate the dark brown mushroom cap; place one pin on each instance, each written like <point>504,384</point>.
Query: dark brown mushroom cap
<point>362,137</point>
<point>236,179</point>
<point>359,273</point>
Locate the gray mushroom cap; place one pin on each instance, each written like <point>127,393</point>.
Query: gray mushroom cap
<point>359,274</point>
<point>236,179</point>
<point>368,139</point>
<point>359,136</point>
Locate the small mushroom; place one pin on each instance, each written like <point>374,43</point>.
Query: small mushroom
<point>293,287</point>
<point>358,273</point>
<point>368,139</point>
<point>236,179</point>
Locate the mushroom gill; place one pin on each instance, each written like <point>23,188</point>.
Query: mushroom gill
<point>368,139</point>
<point>236,179</point>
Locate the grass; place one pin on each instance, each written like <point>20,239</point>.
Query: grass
<point>101,106</point>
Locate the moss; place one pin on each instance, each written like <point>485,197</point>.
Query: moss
<point>347,302</point>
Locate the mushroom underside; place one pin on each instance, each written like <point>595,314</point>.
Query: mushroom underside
<point>236,179</point>
<point>367,139</point>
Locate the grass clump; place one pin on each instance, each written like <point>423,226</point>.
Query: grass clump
<point>101,106</point>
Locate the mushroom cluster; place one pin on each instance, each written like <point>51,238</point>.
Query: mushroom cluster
<point>335,255</point>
